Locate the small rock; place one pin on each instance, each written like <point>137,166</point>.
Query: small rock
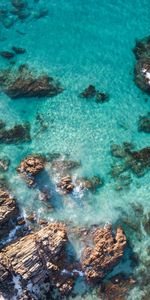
<point>89,92</point>
<point>18,50</point>
<point>7,54</point>
<point>101,97</point>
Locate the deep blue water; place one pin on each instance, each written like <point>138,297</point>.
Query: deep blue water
<point>81,43</point>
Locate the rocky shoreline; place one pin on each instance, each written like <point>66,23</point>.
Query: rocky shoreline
<point>39,261</point>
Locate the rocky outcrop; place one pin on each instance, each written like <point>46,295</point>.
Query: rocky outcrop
<point>103,252</point>
<point>20,133</point>
<point>31,166</point>
<point>142,48</point>
<point>37,257</point>
<point>142,74</point>
<point>142,67</point>
<point>23,83</point>
<point>8,211</point>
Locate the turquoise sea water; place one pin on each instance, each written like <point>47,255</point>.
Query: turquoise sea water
<point>81,43</point>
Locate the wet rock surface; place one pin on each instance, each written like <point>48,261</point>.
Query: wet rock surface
<point>104,253</point>
<point>37,257</point>
<point>8,211</point>
<point>18,134</point>
<point>142,67</point>
<point>23,83</point>
<point>30,167</point>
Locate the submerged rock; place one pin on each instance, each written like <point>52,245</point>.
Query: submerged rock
<point>19,4</point>
<point>137,162</point>
<point>18,50</point>
<point>18,134</point>
<point>117,288</point>
<point>7,54</point>
<point>104,252</point>
<point>24,83</point>
<point>89,92</point>
<point>101,97</point>
<point>8,211</point>
<point>144,123</point>
<point>30,167</point>
<point>62,166</point>
<point>4,164</point>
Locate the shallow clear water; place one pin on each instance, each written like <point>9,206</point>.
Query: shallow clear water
<point>82,43</point>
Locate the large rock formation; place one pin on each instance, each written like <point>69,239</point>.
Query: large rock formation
<point>103,252</point>
<point>24,83</point>
<point>30,167</point>
<point>36,257</point>
<point>142,68</point>
<point>8,211</point>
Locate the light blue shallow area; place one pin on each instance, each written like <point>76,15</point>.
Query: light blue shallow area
<point>80,43</point>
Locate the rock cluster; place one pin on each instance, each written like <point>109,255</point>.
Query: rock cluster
<point>22,83</point>
<point>42,258</point>
<point>91,92</point>
<point>137,162</point>
<point>11,54</point>
<point>8,211</point>
<point>18,134</point>
<point>142,67</point>
<point>20,10</point>
<point>31,166</point>
<point>103,253</point>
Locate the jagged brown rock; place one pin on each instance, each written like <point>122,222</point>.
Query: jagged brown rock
<point>8,211</point>
<point>30,167</point>
<point>104,253</point>
<point>38,256</point>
